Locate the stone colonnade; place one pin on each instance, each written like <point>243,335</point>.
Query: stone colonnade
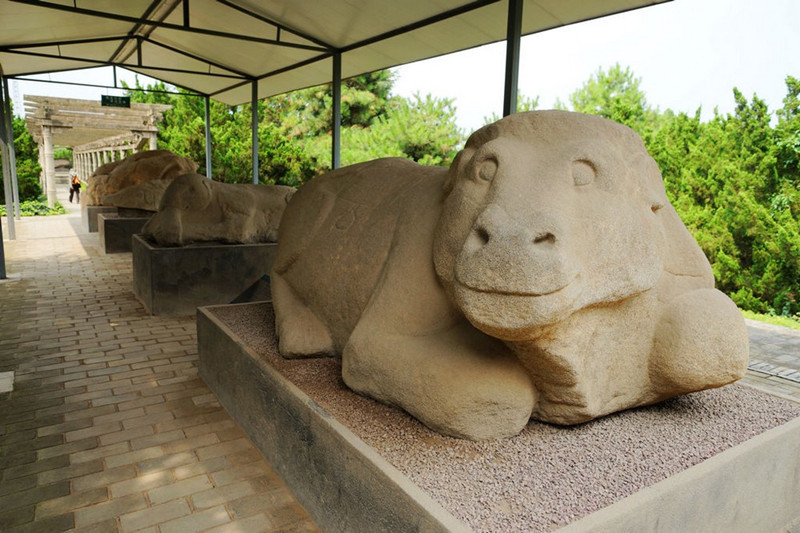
<point>97,134</point>
<point>88,157</point>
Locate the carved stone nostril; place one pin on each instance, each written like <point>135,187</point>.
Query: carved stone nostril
<point>482,234</point>
<point>545,238</point>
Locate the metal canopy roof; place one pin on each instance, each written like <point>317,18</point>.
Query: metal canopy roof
<point>219,47</point>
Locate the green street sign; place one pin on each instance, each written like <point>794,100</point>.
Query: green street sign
<point>115,101</point>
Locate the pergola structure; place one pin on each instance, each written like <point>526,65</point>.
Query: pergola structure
<point>97,134</point>
<point>237,51</point>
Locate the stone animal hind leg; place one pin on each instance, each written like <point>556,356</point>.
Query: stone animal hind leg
<point>300,333</point>
<point>457,381</point>
<point>700,342</point>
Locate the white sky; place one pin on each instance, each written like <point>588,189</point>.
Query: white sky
<point>688,54</point>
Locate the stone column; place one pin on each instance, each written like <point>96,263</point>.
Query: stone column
<point>49,166</point>
<point>41,165</point>
<point>153,139</point>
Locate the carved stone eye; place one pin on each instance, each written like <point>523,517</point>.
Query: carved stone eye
<point>583,172</point>
<point>487,169</point>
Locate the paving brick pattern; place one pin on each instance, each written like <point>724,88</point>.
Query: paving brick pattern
<point>774,360</point>
<point>108,427</point>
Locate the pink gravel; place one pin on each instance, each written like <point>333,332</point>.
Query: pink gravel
<point>546,477</point>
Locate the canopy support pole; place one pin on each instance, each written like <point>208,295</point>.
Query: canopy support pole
<point>5,163</point>
<point>513,38</point>
<point>254,108</point>
<point>336,130</point>
<point>208,136</point>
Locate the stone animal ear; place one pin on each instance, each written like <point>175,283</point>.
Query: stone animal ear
<point>681,254</point>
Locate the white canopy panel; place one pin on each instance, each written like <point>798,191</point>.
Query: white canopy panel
<point>219,47</point>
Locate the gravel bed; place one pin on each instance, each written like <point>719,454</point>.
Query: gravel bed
<point>546,477</point>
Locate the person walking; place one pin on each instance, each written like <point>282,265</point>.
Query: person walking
<point>75,187</point>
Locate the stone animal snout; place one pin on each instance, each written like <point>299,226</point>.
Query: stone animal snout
<point>546,233</point>
<point>505,256</point>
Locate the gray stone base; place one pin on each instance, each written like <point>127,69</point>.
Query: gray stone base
<point>115,231</point>
<point>342,482</point>
<point>174,281</point>
<point>754,486</point>
<point>89,214</point>
<point>346,486</point>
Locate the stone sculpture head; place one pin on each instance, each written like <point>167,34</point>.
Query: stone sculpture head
<point>547,213</point>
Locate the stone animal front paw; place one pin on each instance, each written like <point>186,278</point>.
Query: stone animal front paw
<point>701,342</point>
<point>465,386</point>
<point>300,333</point>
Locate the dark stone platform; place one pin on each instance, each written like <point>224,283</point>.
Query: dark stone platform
<point>175,281</point>
<point>115,231</point>
<point>343,483</point>
<point>89,214</point>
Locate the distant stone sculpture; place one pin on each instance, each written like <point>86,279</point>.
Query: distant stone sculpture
<point>196,209</point>
<point>106,168</point>
<point>133,170</point>
<point>544,275</point>
<point>145,196</point>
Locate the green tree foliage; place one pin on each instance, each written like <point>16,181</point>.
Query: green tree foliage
<point>294,130</point>
<point>524,103</point>
<point>615,94</point>
<point>407,129</point>
<point>28,169</point>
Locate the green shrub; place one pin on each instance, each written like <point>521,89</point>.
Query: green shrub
<point>32,208</point>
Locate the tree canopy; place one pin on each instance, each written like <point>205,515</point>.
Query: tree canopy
<point>294,129</point>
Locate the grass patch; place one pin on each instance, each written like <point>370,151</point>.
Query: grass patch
<point>784,321</point>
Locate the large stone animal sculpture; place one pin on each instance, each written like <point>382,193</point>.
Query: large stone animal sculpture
<point>196,209</point>
<point>544,275</point>
<point>134,170</point>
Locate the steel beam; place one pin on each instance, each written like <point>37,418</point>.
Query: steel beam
<point>513,38</point>
<point>208,137</point>
<point>254,104</point>
<point>336,130</point>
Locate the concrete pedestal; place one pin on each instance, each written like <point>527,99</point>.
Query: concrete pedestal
<point>174,281</point>
<point>346,485</point>
<point>115,231</point>
<point>342,482</point>
<point>89,214</point>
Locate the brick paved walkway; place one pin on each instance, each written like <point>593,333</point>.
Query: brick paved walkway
<point>108,427</point>
<point>774,360</point>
